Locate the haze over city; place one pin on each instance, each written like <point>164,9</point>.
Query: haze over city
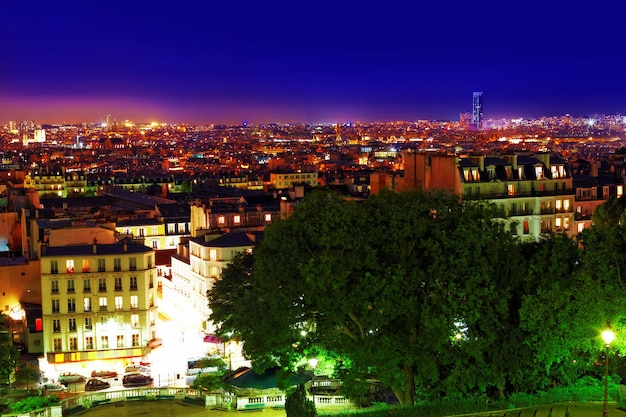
<point>229,62</point>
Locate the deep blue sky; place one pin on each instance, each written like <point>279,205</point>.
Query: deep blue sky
<point>260,61</point>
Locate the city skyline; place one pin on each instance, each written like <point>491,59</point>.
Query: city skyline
<point>308,62</point>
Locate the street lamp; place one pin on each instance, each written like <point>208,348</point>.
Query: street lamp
<point>313,364</point>
<point>607,336</point>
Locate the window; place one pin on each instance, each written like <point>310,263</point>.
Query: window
<point>69,266</point>
<point>73,343</point>
<point>70,286</point>
<point>171,228</point>
<point>134,320</point>
<point>54,286</point>
<point>72,325</point>
<point>118,284</point>
<point>103,304</point>
<point>119,302</point>
<point>566,224</point>
<point>539,173</point>
<point>559,205</point>
<point>86,267</point>
<point>151,284</point>
<point>182,227</point>
<point>237,219</point>
<point>104,342</point>
<point>102,284</point>
<point>155,244</point>
<point>117,264</point>
<point>87,304</point>
<point>510,189</point>
<point>133,283</point>
<point>57,345</point>
<point>54,267</point>
<point>526,227</point>
<point>565,205</point>
<point>135,340</point>
<point>221,220</point>
<point>87,285</point>
<point>89,343</point>
<point>120,341</point>
<point>149,262</point>
<point>268,217</point>
<point>88,323</point>
<point>142,232</point>
<point>213,255</point>
<point>155,231</point>
<point>71,305</point>
<point>101,265</point>
<point>56,306</point>
<point>56,325</point>
<point>132,263</point>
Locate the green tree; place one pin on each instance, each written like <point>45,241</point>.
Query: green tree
<point>9,356</point>
<point>404,286</point>
<point>298,405</point>
<point>28,374</point>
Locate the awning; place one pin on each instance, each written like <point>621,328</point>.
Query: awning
<point>211,338</point>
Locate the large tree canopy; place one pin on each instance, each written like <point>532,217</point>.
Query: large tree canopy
<point>404,286</point>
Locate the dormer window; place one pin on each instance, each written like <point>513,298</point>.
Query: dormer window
<point>539,172</point>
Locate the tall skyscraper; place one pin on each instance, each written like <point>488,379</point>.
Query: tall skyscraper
<point>477,109</point>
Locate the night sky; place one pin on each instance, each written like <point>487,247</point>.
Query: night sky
<point>260,61</point>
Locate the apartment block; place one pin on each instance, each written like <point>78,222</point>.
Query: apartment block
<point>98,304</point>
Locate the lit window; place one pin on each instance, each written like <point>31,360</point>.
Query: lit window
<point>134,302</point>
<point>104,342</point>
<point>221,220</point>
<point>119,302</point>
<point>87,304</point>
<point>86,267</point>
<point>103,303</point>
<point>268,217</point>
<point>134,320</point>
<point>510,189</point>
<point>213,255</point>
<point>237,219</point>
<point>69,266</point>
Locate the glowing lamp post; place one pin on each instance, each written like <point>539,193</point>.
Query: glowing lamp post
<point>607,336</point>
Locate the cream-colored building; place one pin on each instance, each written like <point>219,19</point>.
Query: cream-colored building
<point>195,268</point>
<point>279,180</point>
<point>98,305</point>
<point>149,231</point>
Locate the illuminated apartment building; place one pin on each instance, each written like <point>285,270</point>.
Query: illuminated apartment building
<point>534,192</point>
<point>194,270</point>
<point>98,304</point>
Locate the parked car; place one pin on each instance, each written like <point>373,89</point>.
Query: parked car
<point>70,378</point>
<point>96,384</point>
<point>103,374</point>
<point>136,379</point>
<point>53,387</point>
<point>137,368</point>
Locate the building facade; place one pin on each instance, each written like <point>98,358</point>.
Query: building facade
<point>98,304</point>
